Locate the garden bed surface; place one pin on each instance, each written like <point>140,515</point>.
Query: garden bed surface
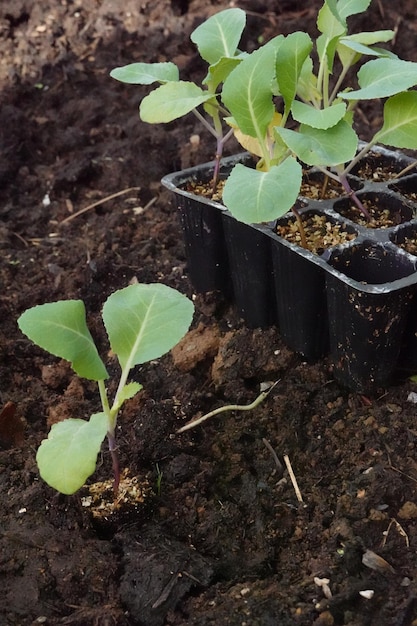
<point>220,538</point>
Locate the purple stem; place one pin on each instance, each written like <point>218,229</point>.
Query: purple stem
<point>352,194</point>
<point>115,462</point>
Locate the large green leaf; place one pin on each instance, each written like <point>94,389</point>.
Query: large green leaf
<point>381,78</point>
<point>329,147</point>
<point>146,73</point>
<point>247,92</point>
<point>293,52</point>
<point>400,121</point>
<point>69,455</point>
<point>253,196</point>
<point>171,101</point>
<point>219,35</point>
<point>318,118</point>
<point>145,321</point>
<point>61,328</point>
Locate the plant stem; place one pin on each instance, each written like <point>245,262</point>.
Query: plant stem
<point>219,153</point>
<point>322,70</point>
<point>300,227</point>
<point>359,156</point>
<point>111,414</point>
<point>352,194</point>
<point>326,102</point>
<point>217,131</point>
<point>205,123</point>
<point>339,82</point>
<point>341,178</point>
<point>115,461</point>
<point>103,397</point>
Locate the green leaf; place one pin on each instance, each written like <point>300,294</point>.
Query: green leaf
<point>292,54</point>
<point>219,35</point>
<point>144,322</point>
<point>69,455</point>
<point>330,22</point>
<point>340,10</point>
<point>171,101</point>
<point>247,92</point>
<point>61,329</point>
<point>307,83</point>
<point>351,51</point>
<point>352,47</point>
<point>253,196</point>
<point>318,118</point>
<point>346,8</point>
<point>220,71</point>
<point>400,121</point>
<point>333,27</point>
<point>332,6</point>
<point>129,391</point>
<point>146,73</point>
<point>381,78</point>
<point>329,147</point>
<point>368,38</point>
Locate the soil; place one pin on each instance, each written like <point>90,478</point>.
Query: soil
<point>218,536</point>
<point>379,215</point>
<point>320,233</point>
<point>409,245</point>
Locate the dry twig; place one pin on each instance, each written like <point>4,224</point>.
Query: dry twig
<point>293,478</point>
<point>99,202</point>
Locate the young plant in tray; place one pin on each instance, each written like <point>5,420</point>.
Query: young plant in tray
<point>216,40</point>
<point>290,103</point>
<point>143,322</point>
<point>314,125</point>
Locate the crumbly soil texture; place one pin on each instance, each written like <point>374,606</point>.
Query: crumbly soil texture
<point>215,534</point>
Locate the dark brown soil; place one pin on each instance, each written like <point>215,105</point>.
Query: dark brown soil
<point>220,538</point>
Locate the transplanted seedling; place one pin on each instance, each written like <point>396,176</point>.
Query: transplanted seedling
<point>143,322</point>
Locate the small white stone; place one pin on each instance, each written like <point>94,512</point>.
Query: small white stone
<point>195,140</point>
<point>367,593</point>
<point>324,584</point>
